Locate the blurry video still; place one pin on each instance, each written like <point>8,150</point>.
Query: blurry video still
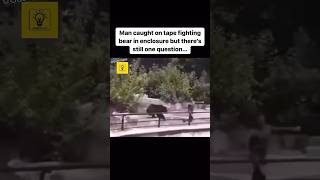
<point>265,83</point>
<point>52,90</point>
<point>159,97</point>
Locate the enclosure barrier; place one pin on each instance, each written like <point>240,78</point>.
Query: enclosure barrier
<point>47,169</point>
<point>123,115</point>
<point>268,160</point>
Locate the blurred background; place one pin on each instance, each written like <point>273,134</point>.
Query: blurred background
<point>265,61</point>
<point>53,92</point>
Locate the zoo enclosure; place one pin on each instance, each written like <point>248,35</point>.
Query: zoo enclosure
<point>190,121</point>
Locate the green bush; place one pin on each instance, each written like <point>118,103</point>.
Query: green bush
<point>126,89</point>
<point>201,88</point>
<point>170,83</point>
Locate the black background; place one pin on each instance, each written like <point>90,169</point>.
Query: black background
<point>165,13</point>
<point>160,158</point>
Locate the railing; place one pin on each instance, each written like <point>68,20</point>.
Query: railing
<point>47,169</point>
<point>190,121</point>
<point>268,160</point>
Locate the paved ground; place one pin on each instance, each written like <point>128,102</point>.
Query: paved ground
<point>191,134</point>
<point>201,130</point>
<point>274,171</point>
<point>85,174</point>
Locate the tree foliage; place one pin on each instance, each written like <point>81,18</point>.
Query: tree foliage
<point>232,71</point>
<point>42,84</point>
<point>170,82</point>
<point>265,59</point>
<point>125,90</point>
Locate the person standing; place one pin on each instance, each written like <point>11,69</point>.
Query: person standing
<point>258,145</point>
<point>190,111</point>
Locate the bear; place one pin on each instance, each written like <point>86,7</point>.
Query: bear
<point>158,110</point>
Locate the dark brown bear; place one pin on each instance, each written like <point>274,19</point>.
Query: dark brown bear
<point>154,110</point>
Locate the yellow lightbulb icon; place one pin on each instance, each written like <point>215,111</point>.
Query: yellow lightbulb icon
<point>39,17</point>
